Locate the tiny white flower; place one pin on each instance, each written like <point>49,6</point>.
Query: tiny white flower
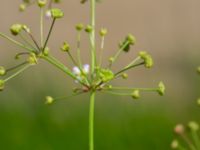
<point>48,14</point>
<point>76,71</point>
<point>86,68</point>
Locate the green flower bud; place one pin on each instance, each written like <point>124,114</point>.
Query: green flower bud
<point>124,75</point>
<point>161,88</point>
<point>110,87</point>
<point>88,29</point>
<point>65,47</point>
<point>16,29</point>
<point>2,83</point>
<point>32,59</point>
<point>111,59</point>
<point>26,29</point>
<point>106,75</point>
<point>22,7</point>
<point>198,70</point>
<point>57,13</point>
<point>103,32</point>
<point>131,39</point>
<point>198,101</point>
<point>49,100</point>
<point>2,71</point>
<point>79,27</point>
<point>148,61</point>
<point>135,94</point>
<point>42,3</point>
<point>174,144</point>
<point>193,126</point>
<point>46,51</point>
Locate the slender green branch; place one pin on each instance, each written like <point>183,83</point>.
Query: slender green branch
<point>34,41</point>
<point>50,31</point>
<point>42,26</point>
<point>133,62</point>
<point>17,66</point>
<point>127,68</point>
<point>132,88</point>
<point>117,93</point>
<point>59,65</point>
<point>78,49</point>
<point>17,73</point>
<point>26,41</point>
<point>72,58</point>
<point>16,42</point>
<point>101,50</point>
<point>91,121</point>
<point>118,53</point>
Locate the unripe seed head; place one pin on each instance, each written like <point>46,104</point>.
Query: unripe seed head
<point>42,3</point>
<point>79,27</point>
<point>49,100</point>
<point>161,88</point>
<point>15,29</point>
<point>88,29</point>
<point>2,71</point>
<point>135,94</point>
<point>56,13</point>
<point>103,32</point>
<point>65,47</point>
<point>193,126</point>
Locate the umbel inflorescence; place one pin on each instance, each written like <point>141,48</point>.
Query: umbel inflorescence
<point>90,77</point>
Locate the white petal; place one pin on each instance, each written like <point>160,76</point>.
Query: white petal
<point>86,68</point>
<point>76,71</point>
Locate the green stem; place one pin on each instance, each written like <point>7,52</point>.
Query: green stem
<point>119,52</point>
<point>42,26</point>
<point>92,34</point>
<point>101,51</point>
<point>48,36</point>
<point>59,65</point>
<point>129,88</point>
<point>26,41</point>
<point>91,121</point>
<point>15,42</point>
<point>79,50</point>
<point>196,139</point>
<point>17,73</point>
<point>127,68</point>
<point>17,66</point>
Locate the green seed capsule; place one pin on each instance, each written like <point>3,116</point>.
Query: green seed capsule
<point>79,27</point>
<point>57,13</point>
<point>161,88</point>
<point>49,100</point>
<point>103,32</point>
<point>135,94</point>
<point>88,29</point>
<point>2,71</point>
<point>42,3</point>
<point>65,47</point>
<point>15,29</point>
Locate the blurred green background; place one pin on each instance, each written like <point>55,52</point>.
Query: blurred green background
<point>169,30</point>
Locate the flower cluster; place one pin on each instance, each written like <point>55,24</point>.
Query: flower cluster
<point>93,77</point>
<point>189,137</point>
<point>90,77</point>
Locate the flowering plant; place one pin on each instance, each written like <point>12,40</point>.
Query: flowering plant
<point>92,77</point>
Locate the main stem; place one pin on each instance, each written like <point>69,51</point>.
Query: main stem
<point>92,34</point>
<point>91,121</point>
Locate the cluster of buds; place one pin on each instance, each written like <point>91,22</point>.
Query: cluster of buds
<point>188,137</point>
<point>88,76</point>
